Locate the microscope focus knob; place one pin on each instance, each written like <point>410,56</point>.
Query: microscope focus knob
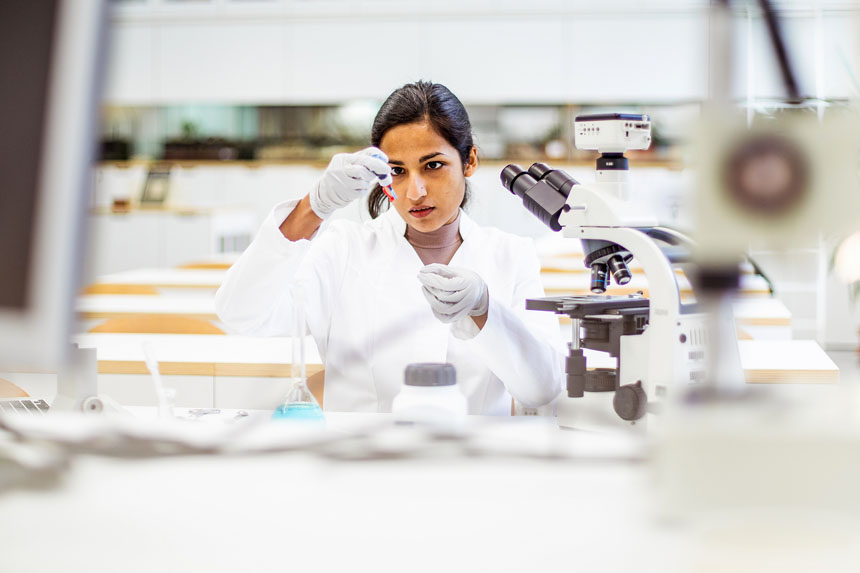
<point>630,402</point>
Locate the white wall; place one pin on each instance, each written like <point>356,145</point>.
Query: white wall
<point>822,48</point>
<point>329,55</point>
<point>290,52</point>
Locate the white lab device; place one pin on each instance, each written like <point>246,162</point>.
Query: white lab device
<point>612,132</point>
<point>659,342</point>
<point>50,64</point>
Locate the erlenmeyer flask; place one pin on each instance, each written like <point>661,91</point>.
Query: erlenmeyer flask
<point>299,403</point>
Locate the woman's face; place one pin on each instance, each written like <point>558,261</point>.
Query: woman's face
<point>429,177</point>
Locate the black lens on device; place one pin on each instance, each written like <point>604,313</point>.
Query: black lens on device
<point>599,278</point>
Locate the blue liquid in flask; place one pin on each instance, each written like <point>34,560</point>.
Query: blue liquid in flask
<point>298,411</point>
<point>299,404</point>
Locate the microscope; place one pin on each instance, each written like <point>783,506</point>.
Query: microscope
<point>657,342</point>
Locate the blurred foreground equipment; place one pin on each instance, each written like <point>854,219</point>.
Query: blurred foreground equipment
<point>758,462</point>
<point>777,184</point>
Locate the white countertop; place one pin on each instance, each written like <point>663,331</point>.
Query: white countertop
<point>159,277</point>
<point>436,511</point>
<point>757,310</point>
<point>197,348</point>
<point>762,360</point>
<point>123,305</point>
<point>496,500</point>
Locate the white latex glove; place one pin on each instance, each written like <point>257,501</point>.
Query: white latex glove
<point>453,292</point>
<point>347,177</point>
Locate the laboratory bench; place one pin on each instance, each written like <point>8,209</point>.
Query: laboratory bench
<point>555,281</point>
<point>161,280</point>
<point>394,503</point>
<point>505,494</point>
<point>190,294</point>
<point>254,373</point>
<point>215,370</point>
<point>206,371</point>
<point>104,306</point>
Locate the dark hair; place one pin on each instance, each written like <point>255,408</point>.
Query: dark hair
<point>414,103</point>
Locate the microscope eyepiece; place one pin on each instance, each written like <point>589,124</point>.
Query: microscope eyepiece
<point>560,181</point>
<point>510,174</point>
<point>556,178</point>
<point>539,170</point>
<point>543,200</point>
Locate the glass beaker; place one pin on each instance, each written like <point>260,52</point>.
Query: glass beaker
<point>299,403</point>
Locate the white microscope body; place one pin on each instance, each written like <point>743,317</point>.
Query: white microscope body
<point>666,347</point>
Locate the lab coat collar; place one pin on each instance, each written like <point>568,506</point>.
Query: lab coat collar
<point>395,222</point>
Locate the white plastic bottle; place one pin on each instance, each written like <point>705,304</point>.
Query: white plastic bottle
<point>430,395</point>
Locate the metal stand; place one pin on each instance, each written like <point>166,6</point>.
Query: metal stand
<point>598,323</point>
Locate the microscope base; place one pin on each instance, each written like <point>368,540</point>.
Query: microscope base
<point>594,412</point>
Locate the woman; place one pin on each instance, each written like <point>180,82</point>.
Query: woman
<point>382,295</point>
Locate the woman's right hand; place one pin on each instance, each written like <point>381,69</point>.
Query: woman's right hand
<point>347,177</point>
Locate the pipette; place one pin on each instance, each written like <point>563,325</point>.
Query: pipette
<point>164,396</point>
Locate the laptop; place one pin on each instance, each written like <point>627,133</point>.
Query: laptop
<point>25,406</point>
<point>76,384</point>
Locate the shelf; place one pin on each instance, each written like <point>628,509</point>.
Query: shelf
<point>322,162</point>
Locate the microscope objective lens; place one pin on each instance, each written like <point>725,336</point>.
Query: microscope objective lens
<point>619,270</point>
<point>599,278</point>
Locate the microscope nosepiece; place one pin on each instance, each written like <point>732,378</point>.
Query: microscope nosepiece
<point>611,257</point>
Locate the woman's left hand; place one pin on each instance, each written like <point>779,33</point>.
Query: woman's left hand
<point>453,292</point>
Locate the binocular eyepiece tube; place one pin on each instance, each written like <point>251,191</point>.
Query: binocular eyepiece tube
<point>544,190</point>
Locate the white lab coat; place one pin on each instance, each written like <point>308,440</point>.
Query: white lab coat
<point>369,318</point>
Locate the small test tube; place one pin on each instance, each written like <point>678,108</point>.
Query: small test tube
<point>389,192</point>
<point>387,189</point>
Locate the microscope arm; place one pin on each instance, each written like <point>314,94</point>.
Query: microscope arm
<point>670,236</point>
